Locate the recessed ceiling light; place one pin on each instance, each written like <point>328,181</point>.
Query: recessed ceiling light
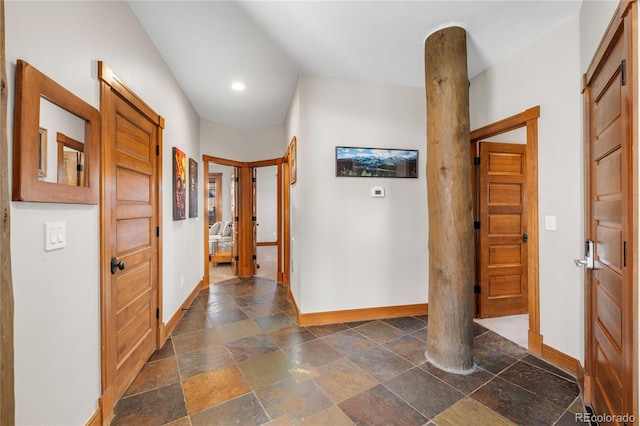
<point>238,86</point>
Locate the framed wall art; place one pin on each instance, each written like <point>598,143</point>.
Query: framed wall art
<point>193,188</point>
<point>179,184</point>
<point>376,162</point>
<point>293,162</point>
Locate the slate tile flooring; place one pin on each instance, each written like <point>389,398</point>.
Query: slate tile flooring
<point>237,357</point>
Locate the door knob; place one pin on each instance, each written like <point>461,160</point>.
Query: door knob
<point>116,265</point>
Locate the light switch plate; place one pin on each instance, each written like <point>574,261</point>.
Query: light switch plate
<point>550,223</point>
<point>55,235</point>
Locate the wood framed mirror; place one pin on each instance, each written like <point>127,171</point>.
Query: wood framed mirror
<point>50,121</point>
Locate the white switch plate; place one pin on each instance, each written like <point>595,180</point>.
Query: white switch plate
<point>55,235</point>
<point>550,223</point>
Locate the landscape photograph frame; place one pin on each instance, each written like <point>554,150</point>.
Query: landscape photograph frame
<point>376,162</point>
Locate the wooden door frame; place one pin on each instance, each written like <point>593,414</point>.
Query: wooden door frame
<point>528,119</point>
<point>245,238</point>
<point>110,82</point>
<point>285,263</point>
<point>624,19</point>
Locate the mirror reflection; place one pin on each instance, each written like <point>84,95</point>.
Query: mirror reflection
<point>61,147</point>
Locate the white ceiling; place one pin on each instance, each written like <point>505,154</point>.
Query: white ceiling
<point>268,44</point>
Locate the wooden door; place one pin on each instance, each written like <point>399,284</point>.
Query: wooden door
<point>502,269</point>
<point>235,217</point>
<point>609,286</point>
<point>254,219</point>
<point>130,231</point>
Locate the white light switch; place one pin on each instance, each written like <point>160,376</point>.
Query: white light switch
<point>55,235</point>
<point>550,223</point>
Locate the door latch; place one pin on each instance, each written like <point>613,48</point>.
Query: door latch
<point>589,256</point>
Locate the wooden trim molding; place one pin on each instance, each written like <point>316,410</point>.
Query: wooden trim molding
<point>563,361</point>
<point>267,243</point>
<point>351,315</point>
<point>167,328</point>
<point>224,161</point>
<point>107,75</point>
<point>96,419</point>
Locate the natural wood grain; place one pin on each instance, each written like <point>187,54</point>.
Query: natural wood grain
<point>130,217</point>
<point>502,272</point>
<point>352,315</point>
<point>7,396</point>
<point>286,219</point>
<point>31,85</point>
<point>611,295</point>
<point>451,261</point>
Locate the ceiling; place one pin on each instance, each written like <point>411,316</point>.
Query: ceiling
<point>208,45</point>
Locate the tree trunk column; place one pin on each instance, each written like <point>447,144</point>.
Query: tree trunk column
<point>451,266</point>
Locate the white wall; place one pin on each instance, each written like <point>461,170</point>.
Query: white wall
<point>265,144</point>
<point>226,188</point>
<point>57,328</point>
<point>267,200</point>
<point>222,141</point>
<point>349,250</point>
<point>547,73</point>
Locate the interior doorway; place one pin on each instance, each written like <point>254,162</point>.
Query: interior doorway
<point>267,222</point>
<point>241,206</point>
<point>510,223</point>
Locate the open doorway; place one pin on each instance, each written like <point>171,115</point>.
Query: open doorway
<point>267,222</point>
<point>240,202</point>
<point>506,224</point>
<point>220,222</point>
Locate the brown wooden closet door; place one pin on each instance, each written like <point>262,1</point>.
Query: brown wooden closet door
<point>503,248</point>
<point>131,167</point>
<point>609,285</point>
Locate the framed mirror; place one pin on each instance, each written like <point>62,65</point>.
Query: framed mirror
<point>56,142</point>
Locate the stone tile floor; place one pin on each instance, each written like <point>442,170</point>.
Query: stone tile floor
<point>237,357</point>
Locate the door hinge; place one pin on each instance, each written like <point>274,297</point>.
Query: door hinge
<point>237,179</point>
<point>476,224</point>
<point>624,253</point>
<point>254,257</point>
<point>80,168</point>
<point>253,218</point>
<point>253,179</point>
<point>236,258</point>
<point>476,289</point>
<point>158,313</point>
<point>623,72</point>
<point>476,161</point>
<point>157,150</point>
<point>157,231</point>
<point>236,219</point>
<point>525,237</point>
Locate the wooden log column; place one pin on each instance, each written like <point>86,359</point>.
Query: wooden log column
<point>451,266</point>
<point>7,396</point>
